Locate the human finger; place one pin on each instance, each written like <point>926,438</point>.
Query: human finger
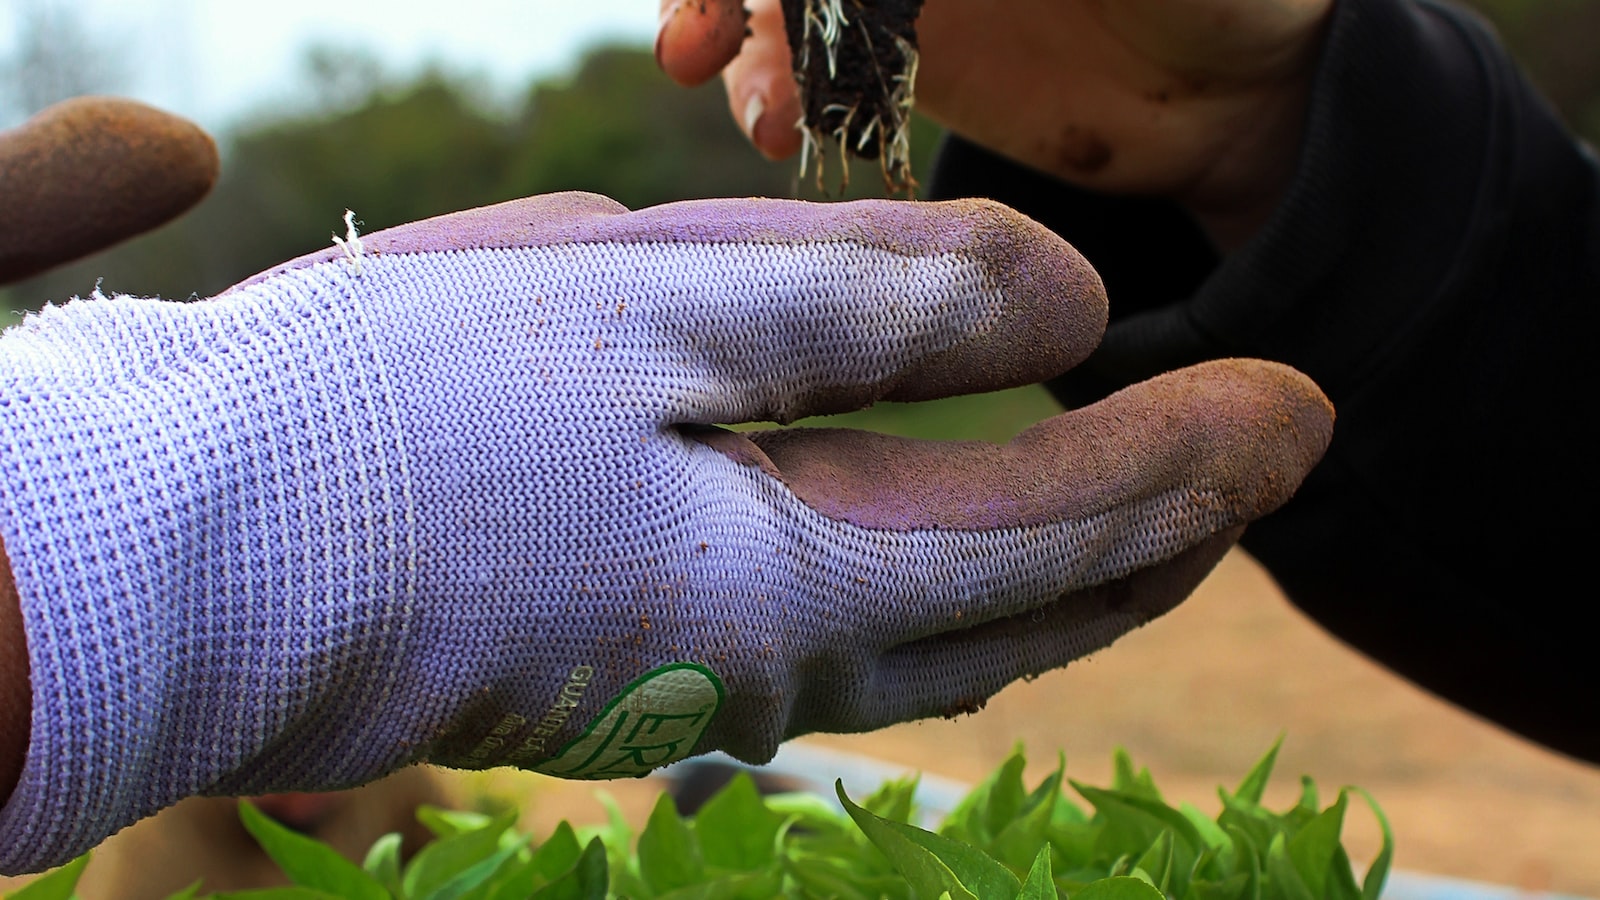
<point>762,94</point>
<point>956,672</point>
<point>1245,430</point>
<point>863,301</point>
<point>696,38</point>
<point>781,309</point>
<point>987,563</point>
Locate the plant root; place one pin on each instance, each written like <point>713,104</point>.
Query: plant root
<point>856,66</point>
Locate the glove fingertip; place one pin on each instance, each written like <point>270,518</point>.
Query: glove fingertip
<point>1054,312</point>
<point>92,171</point>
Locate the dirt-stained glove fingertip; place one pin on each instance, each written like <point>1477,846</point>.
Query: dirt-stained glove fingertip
<point>1054,311</point>
<point>92,171</point>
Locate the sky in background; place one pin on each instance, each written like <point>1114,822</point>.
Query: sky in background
<point>218,60</point>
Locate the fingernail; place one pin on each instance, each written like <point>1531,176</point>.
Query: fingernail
<point>753,108</point>
<point>667,16</point>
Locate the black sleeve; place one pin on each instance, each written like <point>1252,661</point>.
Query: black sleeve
<point>1435,267</point>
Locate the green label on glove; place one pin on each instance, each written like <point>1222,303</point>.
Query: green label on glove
<point>656,720</point>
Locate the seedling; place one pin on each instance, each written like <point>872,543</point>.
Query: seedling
<point>1003,841</point>
<point>856,66</point>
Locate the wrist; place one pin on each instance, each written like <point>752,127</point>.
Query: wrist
<point>16,701</point>
<point>192,499</point>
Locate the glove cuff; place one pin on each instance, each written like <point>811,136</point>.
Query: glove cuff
<point>211,541</point>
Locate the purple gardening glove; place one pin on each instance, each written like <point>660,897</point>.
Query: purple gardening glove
<point>452,492</point>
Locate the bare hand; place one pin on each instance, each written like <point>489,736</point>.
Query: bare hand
<point>1201,100</point>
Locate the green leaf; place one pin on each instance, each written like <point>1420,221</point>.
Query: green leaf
<point>989,807</point>
<point>558,853</point>
<point>826,876</point>
<point>1004,798</point>
<point>1013,846</point>
<point>1074,842</point>
<point>733,886</point>
<point>1305,809</point>
<point>383,862</point>
<point>1018,841</point>
<point>450,822</point>
<point>1312,849</point>
<point>1049,790</point>
<point>1068,813</point>
<point>58,885</point>
<point>1284,879</point>
<point>1030,844</point>
<point>1250,819</point>
<point>1233,887</point>
<point>188,893</point>
<point>445,858</point>
<point>1157,862</point>
<point>516,881</point>
<point>477,877</point>
<point>307,862</point>
<point>1041,883</point>
<point>1206,828</point>
<point>1122,887</point>
<point>846,844</point>
<point>1308,796</point>
<point>615,832</point>
<point>1073,833</point>
<point>669,855</point>
<point>933,863</point>
<point>1254,784</point>
<point>1143,876</point>
<point>894,799</point>
<point>1249,854</point>
<point>1134,821</point>
<point>1342,878</point>
<point>1126,780</point>
<point>1378,872</point>
<point>736,830</point>
<point>276,894</point>
<point>810,812</point>
<point>1218,857</point>
<point>586,880</point>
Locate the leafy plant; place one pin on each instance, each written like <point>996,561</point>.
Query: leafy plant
<point>1002,841</point>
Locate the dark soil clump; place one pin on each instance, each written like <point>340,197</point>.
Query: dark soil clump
<point>856,65</point>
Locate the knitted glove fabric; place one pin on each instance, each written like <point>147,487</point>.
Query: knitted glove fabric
<point>452,492</point>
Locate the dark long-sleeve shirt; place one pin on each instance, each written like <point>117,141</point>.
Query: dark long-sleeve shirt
<point>1435,267</point>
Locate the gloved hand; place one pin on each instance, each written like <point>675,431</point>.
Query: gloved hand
<point>453,492</point>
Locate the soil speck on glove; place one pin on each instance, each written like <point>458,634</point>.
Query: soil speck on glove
<point>964,706</point>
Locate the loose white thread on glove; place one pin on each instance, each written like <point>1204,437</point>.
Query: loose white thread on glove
<point>350,246</point>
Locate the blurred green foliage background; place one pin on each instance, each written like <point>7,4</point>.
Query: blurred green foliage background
<point>398,149</point>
